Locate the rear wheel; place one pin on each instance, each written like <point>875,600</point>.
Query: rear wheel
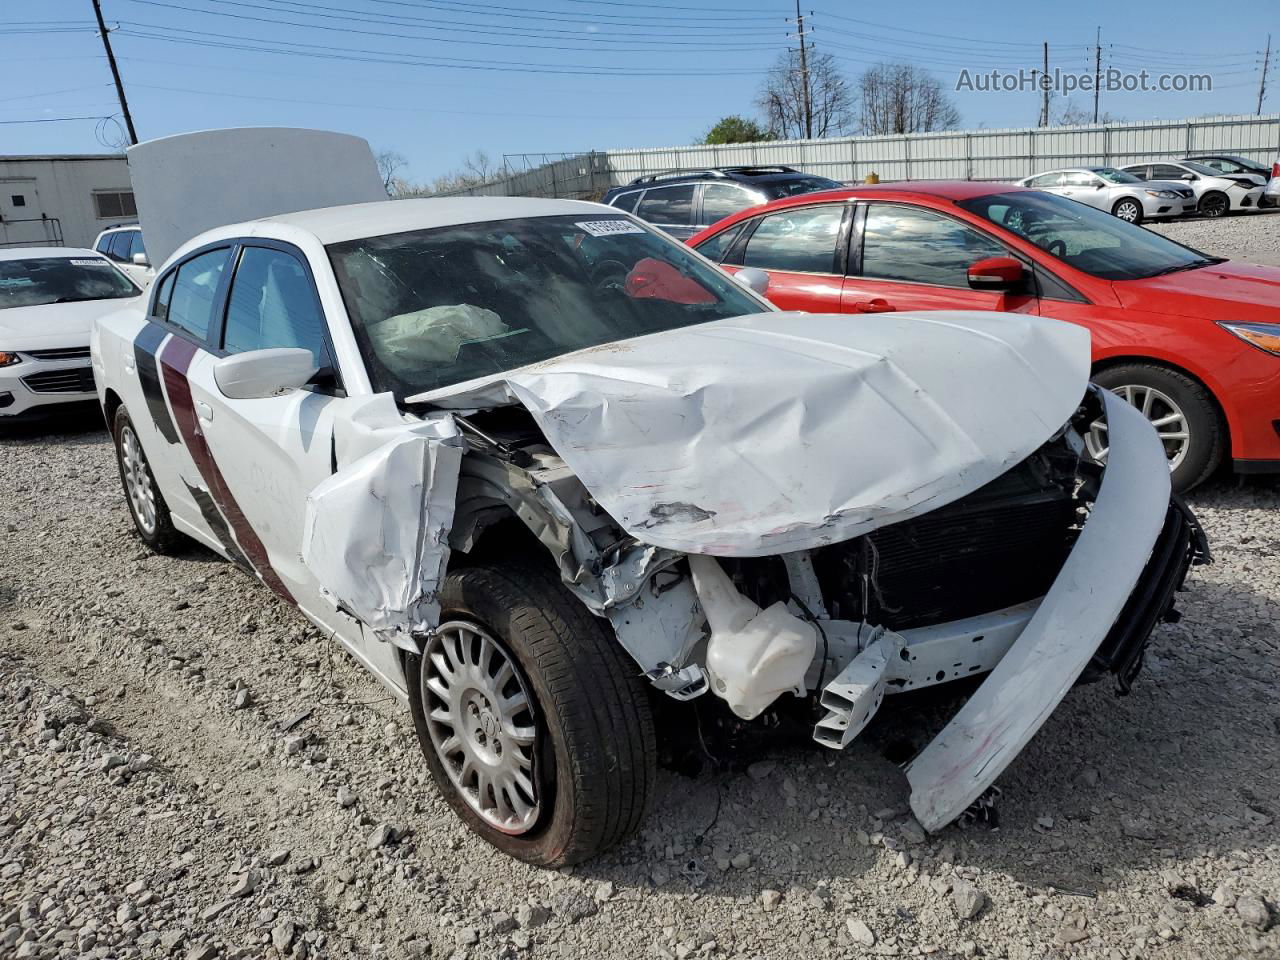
<point>1214,205</point>
<point>1128,210</point>
<point>1182,412</point>
<point>536,727</point>
<point>146,503</point>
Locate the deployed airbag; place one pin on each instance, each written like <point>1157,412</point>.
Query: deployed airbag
<point>410,341</point>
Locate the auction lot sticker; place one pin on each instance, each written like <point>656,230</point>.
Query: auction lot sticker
<point>609,228</point>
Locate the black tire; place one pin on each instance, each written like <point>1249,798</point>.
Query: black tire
<point>596,748</point>
<point>1206,433</point>
<point>1132,210</point>
<point>1214,205</point>
<point>163,539</point>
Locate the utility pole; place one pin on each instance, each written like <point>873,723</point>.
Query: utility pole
<point>1262,84</point>
<point>804,76</point>
<point>1097,73</point>
<point>1044,83</point>
<point>115,72</point>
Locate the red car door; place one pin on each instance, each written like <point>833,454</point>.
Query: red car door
<point>801,248</point>
<point>906,257</point>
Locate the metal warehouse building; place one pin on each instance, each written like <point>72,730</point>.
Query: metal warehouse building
<point>62,200</point>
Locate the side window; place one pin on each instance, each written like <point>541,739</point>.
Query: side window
<point>194,289</point>
<point>803,239</point>
<point>720,200</point>
<point>716,247</point>
<point>103,243</point>
<point>919,246</point>
<point>1079,178</point>
<point>1047,180</point>
<point>673,205</point>
<point>1167,171</point>
<point>135,245</point>
<point>627,201</point>
<point>164,293</point>
<point>273,304</point>
<point>119,251</point>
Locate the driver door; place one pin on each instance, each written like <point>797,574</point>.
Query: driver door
<point>1085,188</point>
<point>263,456</point>
<point>904,257</point>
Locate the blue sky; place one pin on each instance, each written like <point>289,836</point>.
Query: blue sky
<point>438,79</point>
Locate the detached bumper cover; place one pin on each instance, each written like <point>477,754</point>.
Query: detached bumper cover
<point>1102,576</point>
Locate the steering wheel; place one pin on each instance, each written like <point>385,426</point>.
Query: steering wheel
<point>1057,248</point>
<point>609,275</point>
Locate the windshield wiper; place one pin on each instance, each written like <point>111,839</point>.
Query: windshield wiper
<point>74,299</point>
<point>1193,265</point>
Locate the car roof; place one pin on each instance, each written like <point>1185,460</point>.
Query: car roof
<point>33,253</point>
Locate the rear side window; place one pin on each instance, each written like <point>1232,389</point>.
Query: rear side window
<point>668,205</point>
<point>103,243</point>
<point>720,200</point>
<point>1047,180</point>
<point>119,250</point>
<point>627,201</point>
<point>802,240</point>
<point>135,244</point>
<point>194,290</point>
<point>273,304</point>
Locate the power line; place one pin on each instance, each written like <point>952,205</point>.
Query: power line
<point>716,21</point>
<point>347,54</point>
<point>52,120</point>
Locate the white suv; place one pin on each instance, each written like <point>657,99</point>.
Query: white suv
<point>122,245</point>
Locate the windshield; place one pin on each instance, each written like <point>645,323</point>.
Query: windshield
<point>797,185</point>
<point>1084,237</point>
<point>1203,169</point>
<point>1111,175</point>
<point>433,308</point>
<point>41,280</point>
<point>1228,165</point>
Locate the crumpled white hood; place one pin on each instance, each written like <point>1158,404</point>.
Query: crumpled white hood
<point>776,432</point>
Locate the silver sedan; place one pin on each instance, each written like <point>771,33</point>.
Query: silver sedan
<point>1117,192</point>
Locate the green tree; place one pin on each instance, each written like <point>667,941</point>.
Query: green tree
<point>736,130</point>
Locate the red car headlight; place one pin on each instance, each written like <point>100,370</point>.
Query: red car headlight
<point>1264,336</point>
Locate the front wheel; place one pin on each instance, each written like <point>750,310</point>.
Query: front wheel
<point>1128,210</point>
<point>1214,205</point>
<point>536,727</point>
<point>1182,412</point>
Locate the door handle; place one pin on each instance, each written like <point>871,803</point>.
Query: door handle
<point>129,364</point>
<point>205,411</point>
<point>874,305</point>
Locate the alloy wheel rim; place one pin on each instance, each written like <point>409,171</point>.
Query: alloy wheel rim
<point>1128,212</point>
<point>1158,407</point>
<point>137,481</point>
<point>481,724</point>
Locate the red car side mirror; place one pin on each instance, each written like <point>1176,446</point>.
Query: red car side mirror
<point>995,273</point>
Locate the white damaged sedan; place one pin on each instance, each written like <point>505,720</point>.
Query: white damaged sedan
<point>544,472</point>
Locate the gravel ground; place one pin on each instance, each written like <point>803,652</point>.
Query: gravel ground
<point>188,769</point>
<point>1252,237</point>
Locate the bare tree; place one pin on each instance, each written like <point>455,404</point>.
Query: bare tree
<point>782,97</point>
<point>389,164</point>
<point>903,98</point>
<point>1068,113</point>
<point>477,169</point>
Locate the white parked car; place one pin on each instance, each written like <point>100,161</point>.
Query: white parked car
<point>49,298</point>
<point>1216,193</point>
<point>122,245</point>
<point>1116,192</point>
<point>545,472</point>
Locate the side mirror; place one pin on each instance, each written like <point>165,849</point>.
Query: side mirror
<point>140,260</point>
<point>996,273</point>
<point>1099,185</point>
<point>264,373</point>
<point>753,279</point>
<point>1188,177</point>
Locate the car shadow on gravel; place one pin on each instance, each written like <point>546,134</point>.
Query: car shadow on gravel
<point>77,423</point>
<point>1183,767</point>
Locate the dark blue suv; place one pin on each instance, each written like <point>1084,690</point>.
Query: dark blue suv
<point>683,202</point>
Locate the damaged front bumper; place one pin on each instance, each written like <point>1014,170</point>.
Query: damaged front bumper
<point>1132,553</point>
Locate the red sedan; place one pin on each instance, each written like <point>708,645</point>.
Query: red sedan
<point>1192,340</point>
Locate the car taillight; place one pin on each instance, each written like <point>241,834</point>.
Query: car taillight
<point>1275,170</point>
